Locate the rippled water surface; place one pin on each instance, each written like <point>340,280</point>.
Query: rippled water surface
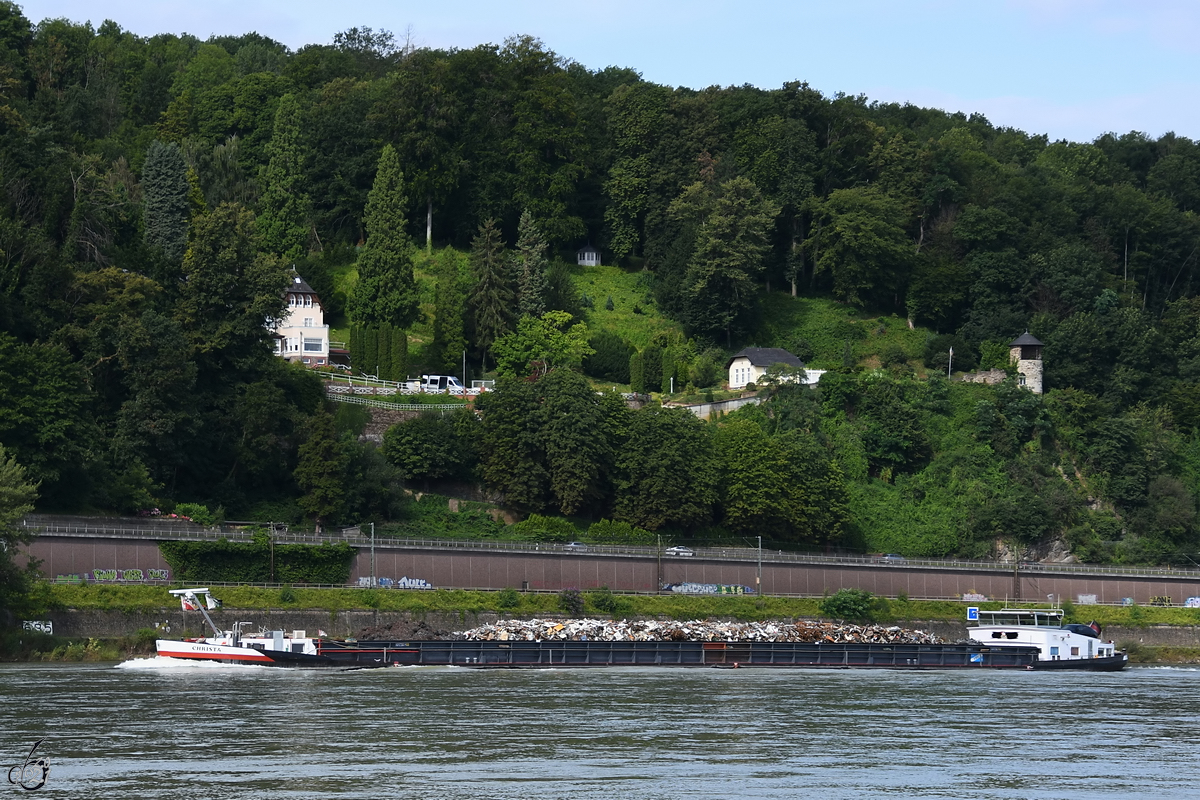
<point>153,730</point>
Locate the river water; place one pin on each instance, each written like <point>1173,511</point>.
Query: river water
<point>149,729</point>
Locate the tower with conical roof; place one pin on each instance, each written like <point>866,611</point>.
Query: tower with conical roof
<point>1026,352</point>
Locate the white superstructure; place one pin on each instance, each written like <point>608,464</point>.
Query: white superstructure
<point>1043,629</point>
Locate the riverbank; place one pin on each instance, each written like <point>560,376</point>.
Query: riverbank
<point>107,622</point>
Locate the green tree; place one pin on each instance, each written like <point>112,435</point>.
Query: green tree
<point>731,245</point>
<point>530,268</point>
<point>165,192</point>
<point>230,289</point>
<point>541,345</point>
<point>386,290</point>
<point>450,309</point>
<point>637,115</point>
<point>665,471</point>
<point>491,299</point>
<point>427,447</point>
<point>17,495</point>
<point>512,457</point>
<point>285,209</point>
<point>862,244</point>
<point>321,471</point>
<point>610,361</point>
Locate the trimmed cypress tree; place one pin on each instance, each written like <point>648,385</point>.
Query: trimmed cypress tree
<point>399,354</point>
<point>385,351</point>
<point>357,358</point>
<point>652,366</point>
<point>371,350</point>
<point>637,374</point>
<point>166,200</point>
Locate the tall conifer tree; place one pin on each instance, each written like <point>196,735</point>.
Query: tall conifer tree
<point>531,268</point>
<point>450,300</point>
<point>492,297</point>
<point>285,208</point>
<point>166,200</point>
<point>386,290</point>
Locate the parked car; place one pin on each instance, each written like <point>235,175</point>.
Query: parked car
<point>684,552</point>
<point>575,547</point>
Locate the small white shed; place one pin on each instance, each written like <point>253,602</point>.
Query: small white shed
<point>588,256</point>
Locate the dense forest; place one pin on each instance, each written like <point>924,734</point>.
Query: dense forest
<point>157,192</point>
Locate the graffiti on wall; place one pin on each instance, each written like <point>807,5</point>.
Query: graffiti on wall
<point>39,625</point>
<point>116,575</point>
<point>707,588</point>
<point>397,583</point>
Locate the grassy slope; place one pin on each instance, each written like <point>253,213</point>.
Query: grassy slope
<point>825,324</point>
<point>154,598</point>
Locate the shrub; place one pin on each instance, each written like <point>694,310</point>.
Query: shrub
<point>544,529</point>
<point>609,532</point>
<point>848,604</point>
<point>287,596</point>
<point>508,598</point>
<point>199,513</point>
<point>571,601</point>
<point>603,599</point>
<point>610,362</point>
<point>937,353</point>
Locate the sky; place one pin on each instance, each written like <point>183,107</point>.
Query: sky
<point>1070,69</point>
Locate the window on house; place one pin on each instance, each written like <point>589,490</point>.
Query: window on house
<point>308,322</point>
<point>313,345</point>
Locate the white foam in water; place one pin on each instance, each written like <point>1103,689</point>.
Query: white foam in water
<point>166,663</point>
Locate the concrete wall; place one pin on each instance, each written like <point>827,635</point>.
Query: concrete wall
<point>480,568</point>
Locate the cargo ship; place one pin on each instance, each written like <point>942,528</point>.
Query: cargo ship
<point>297,649</point>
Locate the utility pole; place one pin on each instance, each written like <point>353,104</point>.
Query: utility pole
<point>950,364</point>
<point>659,579</point>
<point>758,580</point>
<point>372,555</point>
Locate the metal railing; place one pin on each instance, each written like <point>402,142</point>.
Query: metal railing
<point>189,532</point>
<point>368,401</point>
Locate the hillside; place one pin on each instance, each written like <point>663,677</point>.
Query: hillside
<point>158,192</point>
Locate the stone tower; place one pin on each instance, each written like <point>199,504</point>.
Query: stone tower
<point>1026,352</point>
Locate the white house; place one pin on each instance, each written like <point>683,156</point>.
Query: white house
<point>302,335</point>
<point>752,363</point>
<point>588,256</point>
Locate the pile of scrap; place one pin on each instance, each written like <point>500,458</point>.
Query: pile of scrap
<point>599,630</point>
